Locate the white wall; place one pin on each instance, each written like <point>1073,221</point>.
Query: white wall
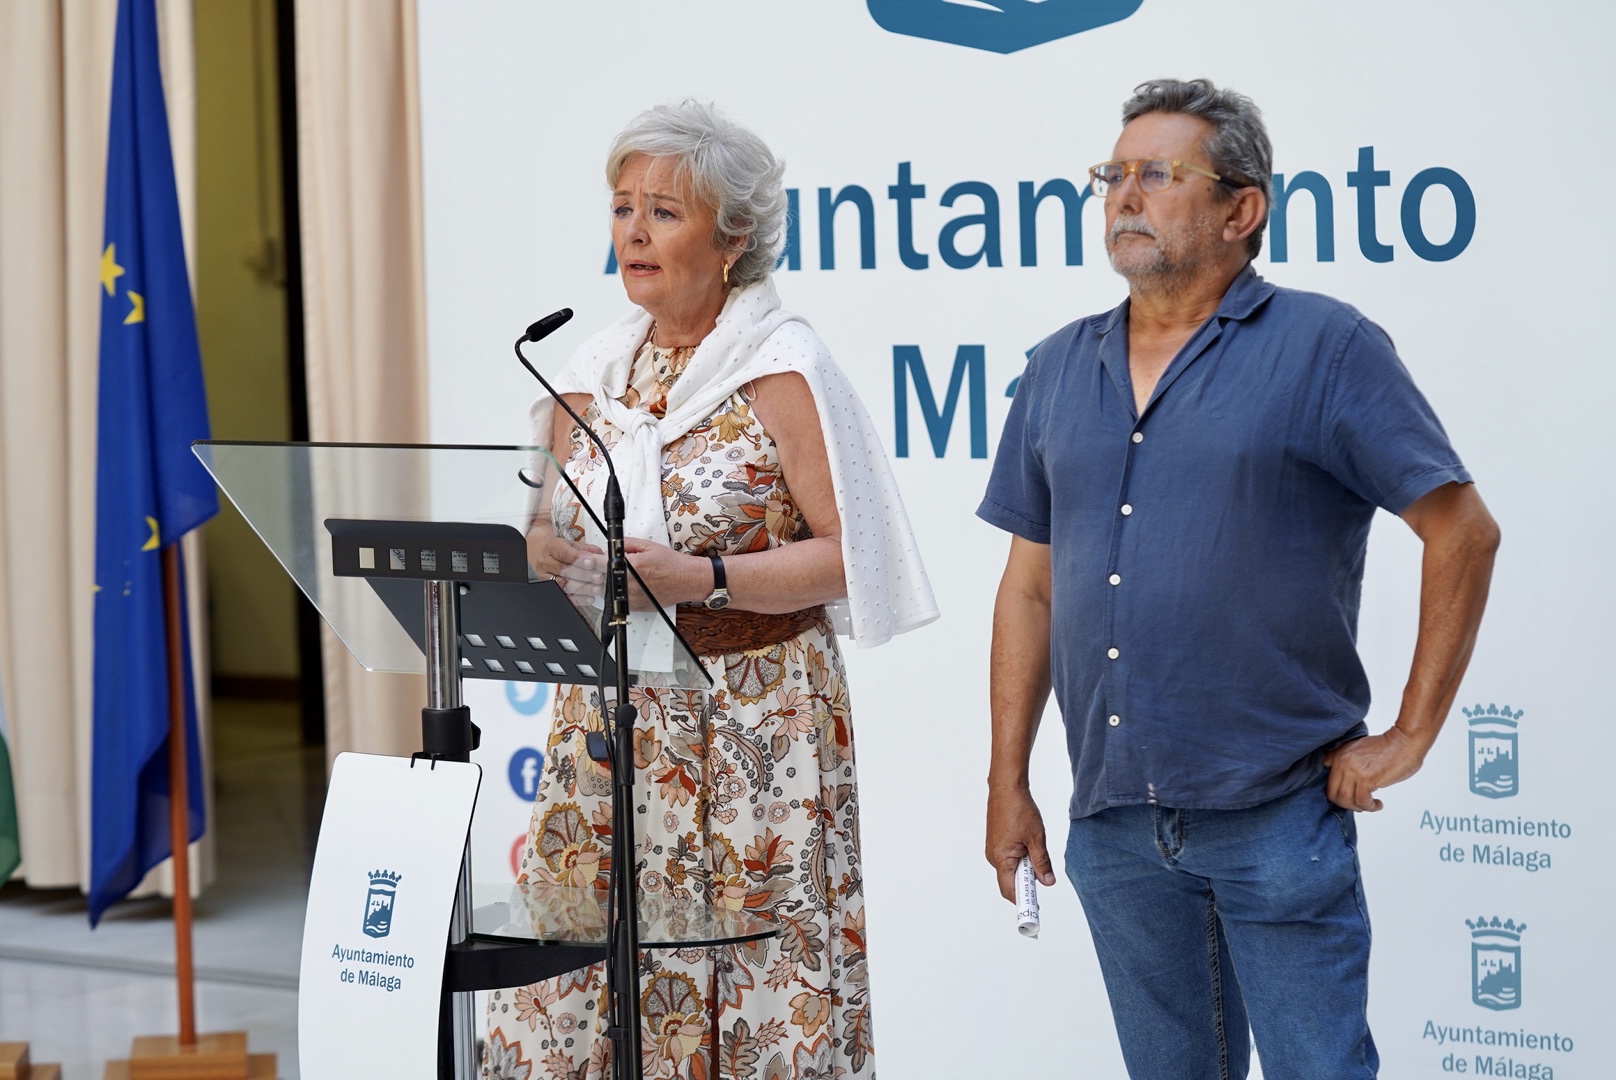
<point>520,103</point>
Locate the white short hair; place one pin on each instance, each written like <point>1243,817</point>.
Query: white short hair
<point>727,166</point>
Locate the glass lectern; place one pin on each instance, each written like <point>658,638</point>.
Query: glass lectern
<point>417,558</point>
<point>317,504</point>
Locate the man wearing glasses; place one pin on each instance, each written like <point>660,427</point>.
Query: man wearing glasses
<point>1189,481</point>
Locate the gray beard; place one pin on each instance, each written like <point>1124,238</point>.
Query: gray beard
<point>1172,263</point>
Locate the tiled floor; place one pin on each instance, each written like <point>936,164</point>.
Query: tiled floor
<point>80,996</point>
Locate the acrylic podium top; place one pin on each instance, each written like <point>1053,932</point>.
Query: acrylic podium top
<point>295,495</point>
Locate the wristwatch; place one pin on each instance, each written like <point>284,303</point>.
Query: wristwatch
<point>719,597</point>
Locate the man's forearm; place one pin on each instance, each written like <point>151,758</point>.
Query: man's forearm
<point>1456,572</point>
<point>1019,681</point>
<point>1460,539</point>
<point>1019,688</point>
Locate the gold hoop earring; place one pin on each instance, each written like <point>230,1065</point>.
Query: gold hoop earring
<point>726,273</point>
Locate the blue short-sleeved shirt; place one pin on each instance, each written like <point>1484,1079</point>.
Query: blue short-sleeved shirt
<point>1208,555</point>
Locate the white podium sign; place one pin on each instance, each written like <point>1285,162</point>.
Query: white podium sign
<point>377,925</point>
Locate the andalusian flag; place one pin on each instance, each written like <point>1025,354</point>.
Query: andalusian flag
<point>150,490</point>
<point>10,848</point>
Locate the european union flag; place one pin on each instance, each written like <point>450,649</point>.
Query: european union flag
<point>150,490</point>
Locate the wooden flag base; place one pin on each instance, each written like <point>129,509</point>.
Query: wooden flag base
<point>14,1064</point>
<point>220,1056</point>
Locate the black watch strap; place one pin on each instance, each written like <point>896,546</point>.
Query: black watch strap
<point>718,599</point>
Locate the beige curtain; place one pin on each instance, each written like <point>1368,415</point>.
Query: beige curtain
<point>359,166</point>
<point>55,83</point>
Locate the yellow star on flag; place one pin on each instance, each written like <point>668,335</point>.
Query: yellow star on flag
<point>138,314</point>
<point>153,544</point>
<point>110,270</point>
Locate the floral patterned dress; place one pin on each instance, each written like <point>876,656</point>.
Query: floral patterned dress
<point>747,797</point>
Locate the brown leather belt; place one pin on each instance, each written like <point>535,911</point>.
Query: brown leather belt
<point>728,631</point>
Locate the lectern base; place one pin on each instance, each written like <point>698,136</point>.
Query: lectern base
<point>218,1056</point>
<point>14,1064</point>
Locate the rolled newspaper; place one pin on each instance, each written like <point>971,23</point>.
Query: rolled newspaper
<point>1026,899</point>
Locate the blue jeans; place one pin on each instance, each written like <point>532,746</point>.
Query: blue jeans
<point>1210,921</point>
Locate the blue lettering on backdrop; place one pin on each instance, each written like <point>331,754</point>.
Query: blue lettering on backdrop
<point>791,257</point>
<point>1323,216</point>
<point>835,204</point>
<point>865,206</point>
<point>1464,214</point>
<point>1071,200</point>
<point>988,219</point>
<point>969,372</point>
<point>970,366</point>
<point>1366,179</point>
<point>1001,26</point>
<point>904,193</point>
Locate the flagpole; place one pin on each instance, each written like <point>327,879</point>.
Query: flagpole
<point>178,795</point>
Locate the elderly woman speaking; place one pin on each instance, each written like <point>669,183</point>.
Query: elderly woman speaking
<point>759,500</point>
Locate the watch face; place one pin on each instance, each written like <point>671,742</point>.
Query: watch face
<point>718,600</point>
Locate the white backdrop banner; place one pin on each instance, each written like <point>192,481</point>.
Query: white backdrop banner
<point>1442,166</point>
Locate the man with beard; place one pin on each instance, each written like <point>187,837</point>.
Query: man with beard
<point>1189,481</point>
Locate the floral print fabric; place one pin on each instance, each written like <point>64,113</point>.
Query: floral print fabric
<point>746,797</point>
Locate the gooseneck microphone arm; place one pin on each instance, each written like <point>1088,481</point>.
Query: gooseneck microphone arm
<point>615,509</point>
<point>622,935</point>
<point>538,332</point>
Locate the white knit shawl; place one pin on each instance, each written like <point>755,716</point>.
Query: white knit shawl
<point>887,589</point>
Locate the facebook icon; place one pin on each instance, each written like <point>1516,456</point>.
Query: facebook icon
<point>526,764</point>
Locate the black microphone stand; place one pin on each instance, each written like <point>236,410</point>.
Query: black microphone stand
<point>622,933</point>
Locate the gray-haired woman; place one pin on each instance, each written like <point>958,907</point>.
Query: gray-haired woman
<point>761,503</point>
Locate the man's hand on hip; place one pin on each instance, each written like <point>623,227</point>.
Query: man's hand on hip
<point>1460,540</point>
<point>1016,828</point>
<point>1359,767</point>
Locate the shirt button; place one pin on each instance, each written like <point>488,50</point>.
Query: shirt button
<point>1112,653</point>
<point>1127,508</point>
<point>1114,720</point>
<point>1139,436</point>
<point>1116,579</point>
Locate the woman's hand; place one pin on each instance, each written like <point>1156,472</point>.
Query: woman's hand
<point>579,568</point>
<point>672,576</point>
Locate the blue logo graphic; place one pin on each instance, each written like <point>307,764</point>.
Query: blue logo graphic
<point>1495,963</point>
<point>1494,746</point>
<point>524,769</point>
<point>379,903</point>
<point>1001,26</point>
<point>527,698</point>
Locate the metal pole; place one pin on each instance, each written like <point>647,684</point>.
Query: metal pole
<point>624,982</point>
<point>442,646</point>
<point>443,692</point>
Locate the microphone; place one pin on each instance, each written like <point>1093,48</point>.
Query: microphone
<point>547,325</point>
